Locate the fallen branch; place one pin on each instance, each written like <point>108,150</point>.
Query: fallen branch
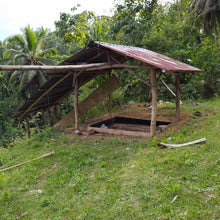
<point>17,165</point>
<point>180,145</point>
<point>174,199</point>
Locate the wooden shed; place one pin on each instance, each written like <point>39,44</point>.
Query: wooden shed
<point>100,58</point>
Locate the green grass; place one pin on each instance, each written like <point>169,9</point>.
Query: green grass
<point>119,178</point>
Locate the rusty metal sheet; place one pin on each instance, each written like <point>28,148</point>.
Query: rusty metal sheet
<point>93,52</point>
<point>149,57</point>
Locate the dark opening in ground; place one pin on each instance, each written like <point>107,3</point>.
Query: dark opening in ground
<point>128,124</point>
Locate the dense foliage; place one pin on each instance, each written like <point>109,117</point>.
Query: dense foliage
<point>186,30</point>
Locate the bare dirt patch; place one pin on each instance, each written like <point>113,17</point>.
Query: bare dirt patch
<point>138,111</point>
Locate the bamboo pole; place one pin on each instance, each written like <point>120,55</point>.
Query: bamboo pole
<point>17,165</point>
<point>154,102</point>
<point>110,101</point>
<point>110,95</point>
<point>168,88</point>
<point>76,104</point>
<point>177,85</point>
<point>88,67</point>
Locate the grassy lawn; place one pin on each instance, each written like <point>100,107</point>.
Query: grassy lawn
<point>119,178</point>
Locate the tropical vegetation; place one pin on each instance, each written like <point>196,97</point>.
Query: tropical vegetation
<point>186,30</point>
<point>118,178</point>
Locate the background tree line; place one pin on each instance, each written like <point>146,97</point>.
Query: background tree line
<point>186,30</point>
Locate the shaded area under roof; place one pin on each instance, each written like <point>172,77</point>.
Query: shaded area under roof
<point>55,89</point>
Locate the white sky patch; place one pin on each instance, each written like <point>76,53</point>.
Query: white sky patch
<point>17,14</point>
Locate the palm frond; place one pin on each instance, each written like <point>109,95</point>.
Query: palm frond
<point>46,61</point>
<point>48,52</point>
<point>30,38</point>
<point>24,80</point>
<point>30,75</point>
<point>14,75</point>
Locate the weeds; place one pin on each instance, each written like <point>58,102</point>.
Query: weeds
<point>117,178</point>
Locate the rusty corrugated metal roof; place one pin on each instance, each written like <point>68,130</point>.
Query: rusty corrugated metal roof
<point>149,57</point>
<point>95,52</point>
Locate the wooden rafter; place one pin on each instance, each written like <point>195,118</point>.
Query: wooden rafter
<point>135,74</point>
<point>45,93</point>
<point>99,54</point>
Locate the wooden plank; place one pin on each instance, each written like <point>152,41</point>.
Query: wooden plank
<point>45,93</point>
<point>120,132</point>
<point>177,84</point>
<point>92,100</point>
<point>154,102</point>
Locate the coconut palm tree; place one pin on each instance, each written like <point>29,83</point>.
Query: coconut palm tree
<point>28,49</point>
<point>206,13</point>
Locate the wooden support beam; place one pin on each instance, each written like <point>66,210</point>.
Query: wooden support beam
<point>168,88</point>
<point>59,67</point>
<point>36,124</point>
<point>56,89</point>
<point>56,112</point>
<point>28,127</point>
<point>132,72</point>
<point>86,67</point>
<point>97,55</point>
<point>177,84</point>
<point>154,102</point>
<point>45,93</point>
<point>110,95</point>
<point>76,104</point>
<point>135,74</point>
<point>110,101</point>
<point>171,91</point>
<point>92,100</point>
<point>159,75</point>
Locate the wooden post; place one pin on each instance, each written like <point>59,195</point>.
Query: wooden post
<point>76,104</point>
<point>154,102</point>
<point>37,125</point>
<point>110,101</point>
<point>56,113</point>
<point>28,127</point>
<point>177,85</point>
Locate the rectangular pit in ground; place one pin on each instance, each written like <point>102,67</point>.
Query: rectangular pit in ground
<point>126,126</point>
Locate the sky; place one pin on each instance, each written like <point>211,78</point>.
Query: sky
<point>17,14</point>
